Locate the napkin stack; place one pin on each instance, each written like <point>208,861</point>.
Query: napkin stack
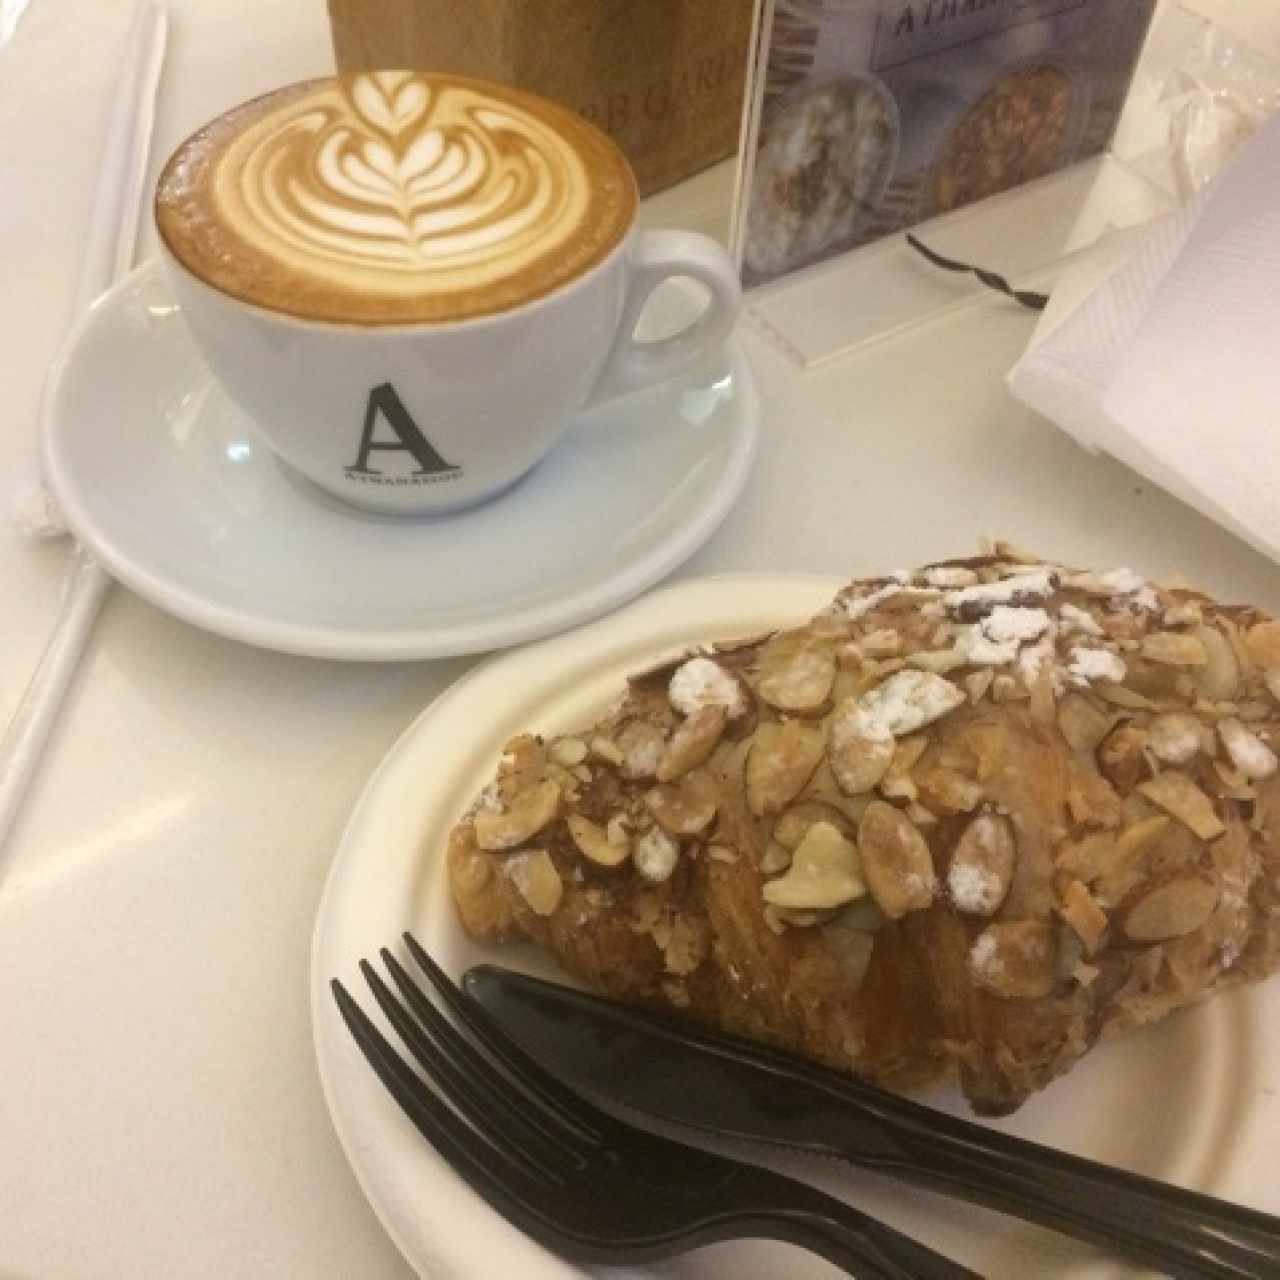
<point>1161,347</point>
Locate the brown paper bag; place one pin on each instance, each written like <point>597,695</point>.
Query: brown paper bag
<point>663,77</point>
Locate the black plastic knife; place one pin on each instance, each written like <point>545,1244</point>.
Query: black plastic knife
<point>734,1087</point>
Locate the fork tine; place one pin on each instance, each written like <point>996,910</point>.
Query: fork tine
<point>463,1072</point>
<point>537,1159</point>
<point>530,1073</point>
<point>466,1151</point>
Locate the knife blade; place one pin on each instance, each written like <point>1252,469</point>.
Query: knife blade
<point>736,1088</point>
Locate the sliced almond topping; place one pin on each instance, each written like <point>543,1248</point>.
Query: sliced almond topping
<point>909,700</point>
<point>1186,614</point>
<point>1121,757</point>
<point>686,807</point>
<point>921,816</point>
<point>1092,799</point>
<point>1262,641</point>
<point>526,815</point>
<point>782,759</point>
<point>1123,868</point>
<point>825,872</point>
<point>1174,738</point>
<point>897,783</point>
<point>949,577</point>
<point>568,752</point>
<point>938,661</point>
<point>859,753</point>
<point>774,858</point>
<point>884,643</point>
<point>722,853</point>
<point>655,855</point>
<point>1272,680</point>
<point>701,682</point>
<point>977,683</point>
<point>1219,678</point>
<point>595,844</point>
<point>520,766</point>
<point>801,682</point>
<point>801,917</point>
<point>1083,914</point>
<point>642,745</point>
<point>896,862</point>
<point>1004,688</point>
<point>907,753</point>
<point>1250,755</point>
<point>1175,649</point>
<point>1083,725</point>
<point>536,880</point>
<point>1119,696</point>
<point>607,750</point>
<point>692,743</point>
<point>1177,795</point>
<point>1235,785</point>
<point>989,744</point>
<point>1170,910</point>
<point>1087,857</point>
<point>1136,838</point>
<point>793,824</point>
<point>982,865</point>
<point>948,791</point>
<point>1014,959</point>
<point>849,656</point>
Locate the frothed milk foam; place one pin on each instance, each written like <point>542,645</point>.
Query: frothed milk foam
<point>394,197</point>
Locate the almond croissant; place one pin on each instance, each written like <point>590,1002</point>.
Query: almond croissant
<point>969,821</point>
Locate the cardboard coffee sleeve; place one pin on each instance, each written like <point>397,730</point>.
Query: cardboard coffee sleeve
<point>663,77</point>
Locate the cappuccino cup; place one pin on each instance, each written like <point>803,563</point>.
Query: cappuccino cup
<point>412,282</point>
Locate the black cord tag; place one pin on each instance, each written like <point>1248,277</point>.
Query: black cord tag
<point>1033,301</point>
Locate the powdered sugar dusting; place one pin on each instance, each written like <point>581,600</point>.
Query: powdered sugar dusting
<point>1032,659</point>
<point>947,578</point>
<point>898,584</point>
<point>995,640</point>
<point>984,957</point>
<point>974,889</point>
<point>1088,665</point>
<point>700,683</point>
<point>1248,752</point>
<point>905,702</point>
<point>1037,584</point>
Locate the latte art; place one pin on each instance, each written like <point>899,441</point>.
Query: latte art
<point>394,196</point>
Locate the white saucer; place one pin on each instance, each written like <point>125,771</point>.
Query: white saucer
<point>170,486</point>
<point>1187,1100</point>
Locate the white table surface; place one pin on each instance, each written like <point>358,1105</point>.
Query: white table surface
<point>160,1113</point>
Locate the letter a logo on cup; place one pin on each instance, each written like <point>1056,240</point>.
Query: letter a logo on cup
<point>384,400</point>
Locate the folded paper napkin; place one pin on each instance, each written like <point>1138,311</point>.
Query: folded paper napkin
<point>1161,347</point>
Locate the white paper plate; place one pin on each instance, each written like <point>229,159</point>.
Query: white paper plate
<point>172,488</point>
<point>1180,1101</point>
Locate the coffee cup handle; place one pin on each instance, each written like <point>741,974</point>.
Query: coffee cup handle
<point>656,256</point>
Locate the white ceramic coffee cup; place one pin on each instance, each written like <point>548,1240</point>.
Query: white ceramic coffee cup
<point>424,418</point>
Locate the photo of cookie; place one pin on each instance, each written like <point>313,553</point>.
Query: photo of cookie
<point>1015,132</point>
<point>823,162</point>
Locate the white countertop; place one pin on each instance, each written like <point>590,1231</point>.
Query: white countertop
<point>160,1113</point>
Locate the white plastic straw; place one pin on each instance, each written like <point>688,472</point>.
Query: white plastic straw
<point>108,255</point>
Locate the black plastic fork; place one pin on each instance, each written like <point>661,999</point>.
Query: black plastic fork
<point>583,1183</point>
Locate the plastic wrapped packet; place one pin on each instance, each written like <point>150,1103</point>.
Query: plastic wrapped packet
<point>1219,94</point>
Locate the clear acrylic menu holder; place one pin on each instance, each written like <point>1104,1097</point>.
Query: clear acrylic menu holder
<point>835,307</point>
